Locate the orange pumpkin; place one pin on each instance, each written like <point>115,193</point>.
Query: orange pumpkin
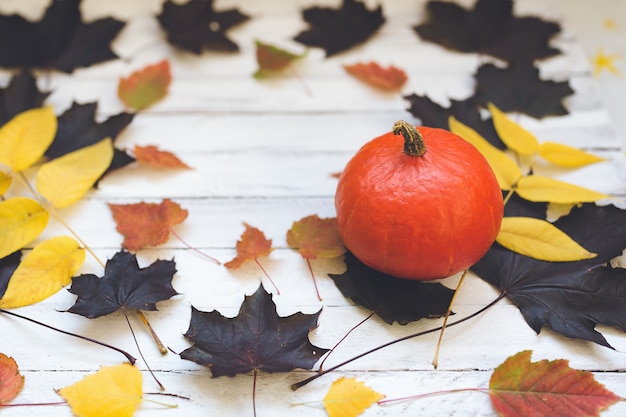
<point>418,203</point>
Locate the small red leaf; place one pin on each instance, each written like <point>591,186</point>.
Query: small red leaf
<point>152,155</point>
<point>146,224</point>
<point>519,387</point>
<point>144,87</point>
<point>388,79</point>
<point>11,382</point>
<point>252,244</point>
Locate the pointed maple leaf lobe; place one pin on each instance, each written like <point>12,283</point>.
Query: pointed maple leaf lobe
<point>124,285</point>
<point>19,95</point>
<point>60,40</point>
<point>256,339</point>
<point>337,30</point>
<point>8,265</point>
<point>196,26</point>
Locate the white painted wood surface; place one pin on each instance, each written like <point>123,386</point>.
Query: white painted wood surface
<point>263,152</point>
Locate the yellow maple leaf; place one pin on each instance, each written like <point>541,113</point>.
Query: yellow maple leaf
<point>540,239</point>
<point>25,138</point>
<point>602,61</point>
<point>21,221</point>
<point>43,272</point>
<point>348,397</point>
<point>113,391</point>
<point>65,180</point>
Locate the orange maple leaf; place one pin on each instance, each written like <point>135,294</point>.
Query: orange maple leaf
<point>152,155</point>
<point>11,381</point>
<point>388,79</point>
<point>146,224</point>
<point>144,87</point>
<point>252,244</point>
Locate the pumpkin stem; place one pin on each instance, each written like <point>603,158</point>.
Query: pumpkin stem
<point>413,140</point>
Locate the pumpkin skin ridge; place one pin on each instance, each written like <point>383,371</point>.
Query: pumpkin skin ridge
<point>377,196</point>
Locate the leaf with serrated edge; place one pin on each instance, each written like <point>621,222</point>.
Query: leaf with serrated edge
<point>566,156</point>
<point>43,272</point>
<point>348,397</point>
<point>519,387</point>
<point>112,391</point>
<point>512,134</point>
<point>506,170</point>
<point>538,188</point>
<point>540,239</point>
<point>11,381</point>
<point>315,237</point>
<point>65,180</point>
<point>250,246</point>
<point>21,221</point>
<point>25,138</point>
<point>389,79</point>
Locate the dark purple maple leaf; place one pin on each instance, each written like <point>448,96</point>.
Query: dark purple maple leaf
<point>124,285</point>
<point>60,40</point>
<point>196,26</point>
<point>392,299</point>
<point>8,265</point>
<point>337,30</point>
<point>518,88</point>
<point>467,111</point>
<point>256,339</point>
<point>19,95</point>
<point>489,28</point>
<point>571,298</point>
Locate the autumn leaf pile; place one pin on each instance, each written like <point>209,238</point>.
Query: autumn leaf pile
<point>557,271</point>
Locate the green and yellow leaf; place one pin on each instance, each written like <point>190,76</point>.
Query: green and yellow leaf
<point>540,239</point>
<point>43,272</point>
<point>348,397</point>
<point>566,156</point>
<point>65,180</point>
<point>26,137</point>
<point>543,189</point>
<point>112,391</point>
<point>512,134</point>
<point>506,170</point>
<point>21,221</point>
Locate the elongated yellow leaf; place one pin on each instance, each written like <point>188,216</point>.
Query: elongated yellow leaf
<point>537,188</point>
<point>540,239</point>
<point>65,180</point>
<point>512,134</point>
<point>25,138</point>
<point>348,397</point>
<point>21,221</point>
<point>5,182</point>
<point>43,272</point>
<point>113,391</point>
<point>566,156</point>
<point>506,170</point>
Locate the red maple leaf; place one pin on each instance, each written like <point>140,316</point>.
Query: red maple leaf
<point>152,155</point>
<point>11,381</point>
<point>388,79</point>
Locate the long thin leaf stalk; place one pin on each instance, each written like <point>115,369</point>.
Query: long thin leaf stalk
<point>369,316</point>
<point>393,342</point>
<point>430,394</point>
<point>128,356</point>
<point>445,319</point>
<point>139,350</point>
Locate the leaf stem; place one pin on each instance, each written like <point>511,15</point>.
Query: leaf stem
<point>128,356</point>
<point>209,257</point>
<point>317,290</point>
<point>153,333</point>
<point>430,394</point>
<point>344,338</point>
<point>139,349</point>
<point>267,275</point>
<point>393,342</point>
<point>445,319</point>
<point>254,392</point>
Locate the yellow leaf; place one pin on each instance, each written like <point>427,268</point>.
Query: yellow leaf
<point>348,398</point>
<point>506,170</point>
<point>21,221</point>
<point>25,138</point>
<point>512,134</point>
<point>566,156</point>
<point>65,180</point>
<point>540,239</point>
<point>5,182</point>
<point>113,391</point>
<point>537,188</point>
<point>43,272</point>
